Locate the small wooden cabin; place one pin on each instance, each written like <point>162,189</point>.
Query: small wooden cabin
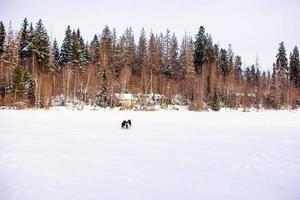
<point>126,100</point>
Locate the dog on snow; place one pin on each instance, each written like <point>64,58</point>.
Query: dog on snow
<point>126,124</point>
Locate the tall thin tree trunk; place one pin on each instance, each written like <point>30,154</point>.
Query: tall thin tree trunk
<point>68,83</point>
<point>75,84</point>
<point>151,78</point>
<point>54,83</point>
<point>1,67</point>
<point>288,94</point>
<point>33,64</point>
<point>86,87</point>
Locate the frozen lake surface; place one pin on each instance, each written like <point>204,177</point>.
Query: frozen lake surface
<point>73,155</point>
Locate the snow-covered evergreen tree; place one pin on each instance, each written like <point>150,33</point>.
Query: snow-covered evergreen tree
<point>103,95</point>
<point>215,102</point>
<point>82,57</point>
<point>55,55</point>
<point>176,69</point>
<point>78,50</point>
<point>165,42</point>
<point>11,48</point>
<point>18,85</point>
<point>25,50</point>
<point>224,67</point>
<point>186,56</point>
<point>30,87</point>
<point>105,59</point>
<point>141,63</point>
<point>74,48</point>
<point>129,48</point>
<point>65,51</point>
<point>94,50</point>
<point>281,59</point>
<point>120,58</point>
<point>282,73</point>
<point>238,67</point>
<point>199,49</point>
<point>295,67</point>
<point>252,74</point>
<point>209,54</point>
<point>41,47</point>
<point>86,54</point>
<point>2,38</point>
<point>29,48</point>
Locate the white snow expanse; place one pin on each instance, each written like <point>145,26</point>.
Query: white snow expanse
<point>84,155</point>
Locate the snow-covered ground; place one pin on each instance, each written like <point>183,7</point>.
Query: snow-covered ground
<point>84,155</point>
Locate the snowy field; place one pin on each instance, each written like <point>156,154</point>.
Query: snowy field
<point>73,155</point>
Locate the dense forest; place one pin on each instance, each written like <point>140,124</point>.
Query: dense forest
<point>34,70</point>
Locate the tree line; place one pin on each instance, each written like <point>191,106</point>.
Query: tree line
<point>201,73</point>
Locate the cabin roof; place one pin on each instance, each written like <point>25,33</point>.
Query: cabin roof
<point>125,96</point>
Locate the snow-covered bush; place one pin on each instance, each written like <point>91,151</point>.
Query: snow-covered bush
<point>58,101</point>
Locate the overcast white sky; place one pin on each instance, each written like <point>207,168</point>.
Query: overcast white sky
<point>253,27</point>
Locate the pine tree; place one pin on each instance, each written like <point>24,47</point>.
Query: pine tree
<point>86,54</point>
<point>105,49</point>
<point>11,48</point>
<point>264,80</point>
<point>230,59</point>
<point>154,61</point>
<point>65,51</point>
<point>103,95</point>
<point>282,79</point>
<point>30,87</point>
<point>257,77</point>
<point>281,61</point>
<point>114,53</point>
<point>129,57</point>
<point>209,55</point>
<point>73,49</point>
<point>141,63</point>
<point>55,54</point>
<point>165,42</point>
<point>248,76</point>
<point>186,56</point>
<point>78,50</point>
<point>153,53</point>
<point>94,50</point>
<point>170,59</point>
<point>252,75</point>
<point>224,66</point>
<point>238,67</point>
<point>130,48</point>
<point>25,41</point>
<point>230,53</point>
<point>2,38</point>
<point>119,56</point>
<point>215,102</point>
<point>30,39</point>
<point>186,62</point>
<point>160,51</point>
<point>183,54</point>
<point>295,67</point>
<point>199,49</point>
<point>174,60</point>
<point>41,47</point>
<point>273,78</point>
<point>2,88</point>
<point>216,53</point>
<point>18,88</point>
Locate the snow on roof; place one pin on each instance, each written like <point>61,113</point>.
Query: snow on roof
<point>125,96</point>
<point>154,95</point>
